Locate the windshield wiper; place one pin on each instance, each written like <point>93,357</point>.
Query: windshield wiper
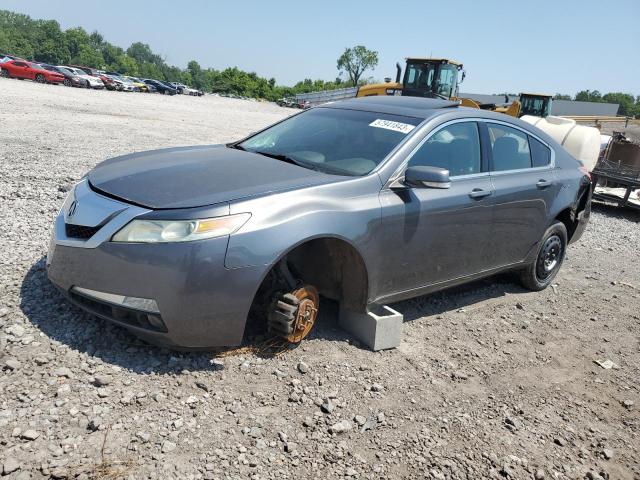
<point>286,158</point>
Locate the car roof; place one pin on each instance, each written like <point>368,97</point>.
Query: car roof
<point>395,105</point>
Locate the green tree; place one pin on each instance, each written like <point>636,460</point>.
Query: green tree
<point>625,100</point>
<point>588,96</point>
<point>561,96</point>
<point>355,61</point>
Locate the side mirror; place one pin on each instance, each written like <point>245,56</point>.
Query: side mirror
<point>427,177</point>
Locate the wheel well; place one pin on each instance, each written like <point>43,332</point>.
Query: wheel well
<point>331,265</point>
<point>567,217</point>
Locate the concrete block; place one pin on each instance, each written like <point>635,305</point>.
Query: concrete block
<point>380,327</point>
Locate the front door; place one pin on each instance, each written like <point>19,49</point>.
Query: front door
<point>21,70</point>
<point>435,235</point>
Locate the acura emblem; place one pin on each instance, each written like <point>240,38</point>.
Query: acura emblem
<point>72,208</point>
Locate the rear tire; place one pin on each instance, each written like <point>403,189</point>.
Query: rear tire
<point>4,73</point>
<point>539,274</point>
<point>67,82</point>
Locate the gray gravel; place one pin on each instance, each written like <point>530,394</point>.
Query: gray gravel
<point>490,381</point>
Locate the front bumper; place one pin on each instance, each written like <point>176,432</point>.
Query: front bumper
<point>201,303</point>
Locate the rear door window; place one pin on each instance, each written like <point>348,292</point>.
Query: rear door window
<point>455,147</point>
<point>540,153</point>
<point>510,148</point>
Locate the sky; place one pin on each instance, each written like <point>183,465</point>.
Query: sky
<point>559,46</point>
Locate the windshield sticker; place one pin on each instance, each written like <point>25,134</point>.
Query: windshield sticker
<point>395,126</point>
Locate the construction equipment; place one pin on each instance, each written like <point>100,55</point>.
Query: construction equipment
<point>439,78</point>
<point>423,77</point>
<point>582,142</point>
<point>617,174</point>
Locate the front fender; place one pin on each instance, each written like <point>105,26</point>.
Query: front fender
<point>348,210</point>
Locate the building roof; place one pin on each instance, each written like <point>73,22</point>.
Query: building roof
<point>416,107</point>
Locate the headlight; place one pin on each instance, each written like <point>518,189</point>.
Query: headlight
<point>163,231</point>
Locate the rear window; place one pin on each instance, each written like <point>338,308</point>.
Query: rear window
<point>344,142</point>
<point>540,153</point>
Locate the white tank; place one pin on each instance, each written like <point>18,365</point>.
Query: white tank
<point>582,142</point>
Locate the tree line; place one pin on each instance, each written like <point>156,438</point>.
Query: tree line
<point>45,41</point>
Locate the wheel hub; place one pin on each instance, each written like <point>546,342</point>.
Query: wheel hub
<point>549,257</point>
<point>295,313</point>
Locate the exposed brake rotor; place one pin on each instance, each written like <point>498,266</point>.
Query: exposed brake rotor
<point>293,315</point>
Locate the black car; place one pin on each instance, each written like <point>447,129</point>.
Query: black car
<point>161,87</point>
<point>70,78</point>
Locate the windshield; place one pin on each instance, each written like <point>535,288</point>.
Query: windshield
<point>35,66</point>
<point>419,75</point>
<point>336,141</point>
<point>537,106</point>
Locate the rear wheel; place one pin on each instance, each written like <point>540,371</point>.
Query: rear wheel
<point>40,78</point>
<point>539,274</point>
<point>4,73</point>
<point>67,82</point>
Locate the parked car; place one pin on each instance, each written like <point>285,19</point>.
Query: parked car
<point>94,72</point>
<point>139,84</point>
<point>178,86</point>
<point>109,83</point>
<point>162,87</point>
<point>191,91</point>
<point>22,69</point>
<point>90,80</point>
<point>365,201</point>
<point>122,84</point>
<point>70,78</point>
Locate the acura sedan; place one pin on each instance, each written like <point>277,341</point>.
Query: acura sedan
<point>366,201</point>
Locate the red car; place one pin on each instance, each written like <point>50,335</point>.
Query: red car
<point>23,69</point>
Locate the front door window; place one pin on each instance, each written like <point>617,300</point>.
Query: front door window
<point>455,147</point>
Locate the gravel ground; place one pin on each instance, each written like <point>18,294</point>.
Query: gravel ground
<point>490,381</point>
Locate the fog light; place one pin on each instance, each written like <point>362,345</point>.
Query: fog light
<point>156,322</point>
<point>135,303</point>
<point>146,304</point>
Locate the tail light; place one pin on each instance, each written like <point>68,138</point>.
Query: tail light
<point>585,171</point>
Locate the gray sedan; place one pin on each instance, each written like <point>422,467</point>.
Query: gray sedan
<point>366,201</point>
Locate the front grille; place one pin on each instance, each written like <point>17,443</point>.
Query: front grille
<point>127,316</point>
<point>80,231</point>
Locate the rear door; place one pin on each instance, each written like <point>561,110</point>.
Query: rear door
<point>433,235</point>
<point>522,174</point>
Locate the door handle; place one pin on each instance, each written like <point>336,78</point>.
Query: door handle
<point>479,193</point>
<point>542,183</point>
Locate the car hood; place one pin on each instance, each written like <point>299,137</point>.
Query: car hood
<point>186,177</point>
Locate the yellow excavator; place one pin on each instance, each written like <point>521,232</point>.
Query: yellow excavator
<point>440,78</point>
